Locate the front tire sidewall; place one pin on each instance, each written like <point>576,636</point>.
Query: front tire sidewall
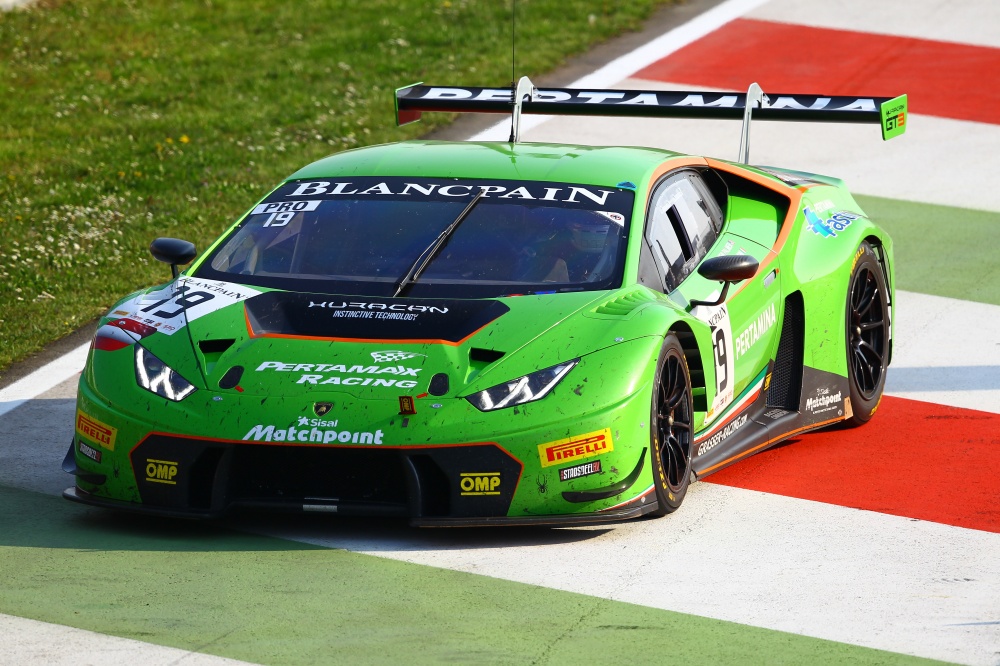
<point>669,498</point>
<point>863,407</point>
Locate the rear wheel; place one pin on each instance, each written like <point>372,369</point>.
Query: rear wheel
<point>867,335</point>
<point>671,427</point>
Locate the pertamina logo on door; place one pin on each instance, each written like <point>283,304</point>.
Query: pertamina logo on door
<point>576,448</point>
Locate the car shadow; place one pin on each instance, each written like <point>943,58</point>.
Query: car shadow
<point>39,520</point>
<point>384,535</point>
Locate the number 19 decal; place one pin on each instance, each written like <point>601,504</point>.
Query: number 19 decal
<point>717,317</point>
<point>183,298</point>
<point>721,358</point>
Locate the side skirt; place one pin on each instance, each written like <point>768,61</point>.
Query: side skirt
<point>754,425</point>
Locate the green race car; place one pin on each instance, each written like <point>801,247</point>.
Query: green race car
<point>496,332</point>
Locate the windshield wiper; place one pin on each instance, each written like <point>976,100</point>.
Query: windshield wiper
<point>427,256</point>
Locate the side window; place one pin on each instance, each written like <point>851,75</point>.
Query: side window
<point>682,223</point>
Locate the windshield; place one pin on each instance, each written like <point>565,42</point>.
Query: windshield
<point>362,236</point>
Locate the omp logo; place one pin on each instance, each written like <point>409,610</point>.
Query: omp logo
<point>161,471</point>
<point>574,448</point>
<point>480,483</point>
<point>96,431</point>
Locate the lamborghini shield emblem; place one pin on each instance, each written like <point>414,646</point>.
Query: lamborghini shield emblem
<point>321,408</point>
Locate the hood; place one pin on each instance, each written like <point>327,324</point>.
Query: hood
<point>287,343</point>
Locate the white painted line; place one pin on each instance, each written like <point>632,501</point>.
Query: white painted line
<point>810,568</point>
<point>33,642</point>
<point>946,351</point>
<point>632,62</point>
<point>44,379</point>
<point>967,22</point>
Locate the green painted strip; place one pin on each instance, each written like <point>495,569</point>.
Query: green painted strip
<point>941,250</point>
<point>205,588</point>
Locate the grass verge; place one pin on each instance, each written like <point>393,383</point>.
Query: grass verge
<point>123,120</point>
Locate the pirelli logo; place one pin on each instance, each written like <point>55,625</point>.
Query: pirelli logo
<point>479,483</point>
<point>576,448</point>
<point>96,431</point>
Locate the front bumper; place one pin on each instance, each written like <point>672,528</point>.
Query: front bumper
<point>226,450</point>
<point>448,485</point>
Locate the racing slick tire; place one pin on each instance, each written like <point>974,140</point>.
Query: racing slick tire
<point>867,318</point>
<point>671,427</point>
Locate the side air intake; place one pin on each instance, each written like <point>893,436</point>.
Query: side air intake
<point>786,378</point>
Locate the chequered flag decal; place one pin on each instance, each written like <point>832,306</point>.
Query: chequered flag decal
<point>393,355</point>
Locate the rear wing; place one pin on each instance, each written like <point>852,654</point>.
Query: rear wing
<point>889,113</point>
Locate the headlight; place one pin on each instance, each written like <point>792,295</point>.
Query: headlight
<point>157,377</point>
<point>521,390</point>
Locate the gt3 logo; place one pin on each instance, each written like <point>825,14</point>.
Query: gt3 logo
<point>892,122</point>
<point>480,483</point>
<point>161,471</point>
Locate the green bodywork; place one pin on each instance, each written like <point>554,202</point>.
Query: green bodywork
<point>617,335</point>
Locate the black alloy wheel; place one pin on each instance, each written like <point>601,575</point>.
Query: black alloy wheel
<point>672,427</point>
<point>867,319</point>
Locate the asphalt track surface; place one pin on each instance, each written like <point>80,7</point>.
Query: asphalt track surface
<point>878,545</point>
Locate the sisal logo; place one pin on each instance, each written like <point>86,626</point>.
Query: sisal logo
<point>161,471</point>
<point>479,483</point>
<point>575,448</point>
<point>96,431</point>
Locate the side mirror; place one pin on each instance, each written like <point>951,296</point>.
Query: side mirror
<point>728,269</point>
<point>173,251</point>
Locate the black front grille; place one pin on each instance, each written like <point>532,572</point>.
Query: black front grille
<point>296,473</point>
<point>786,376</point>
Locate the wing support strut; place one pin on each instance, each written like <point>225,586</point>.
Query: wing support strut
<point>755,98</point>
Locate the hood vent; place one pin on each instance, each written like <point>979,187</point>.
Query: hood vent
<point>487,356</point>
<point>625,303</point>
<point>212,351</point>
<point>215,346</point>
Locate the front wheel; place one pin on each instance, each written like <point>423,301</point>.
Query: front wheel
<point>671,427</point>
<point>867,335</point>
